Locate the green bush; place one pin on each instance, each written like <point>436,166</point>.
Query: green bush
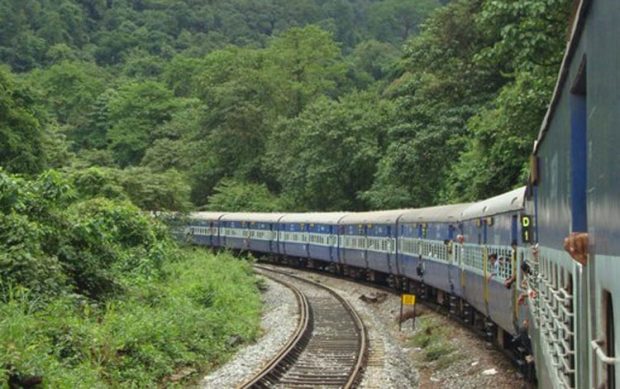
<point>94,292</point>
<point>52,240</point>
<point>157,329</point>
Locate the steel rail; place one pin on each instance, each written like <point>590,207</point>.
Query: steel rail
<point>274,370</point>
<point>291,349</point>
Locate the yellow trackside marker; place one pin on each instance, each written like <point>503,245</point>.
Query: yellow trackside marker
<point>408,299</point>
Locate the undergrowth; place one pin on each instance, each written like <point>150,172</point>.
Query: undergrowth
<point>95,293</point>
<point>184,320</point>
<point>434,340</point>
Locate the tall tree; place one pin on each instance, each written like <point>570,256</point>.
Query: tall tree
<point>135,113</point>
<point>326,157</point>
<point>305,63</point>
<point>21,148</point>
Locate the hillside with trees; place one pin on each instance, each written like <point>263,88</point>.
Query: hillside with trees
<point>111,110</point>
<point>326,105</point>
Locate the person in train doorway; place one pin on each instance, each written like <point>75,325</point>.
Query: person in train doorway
<point>494,266</point>
<point>420,268</point>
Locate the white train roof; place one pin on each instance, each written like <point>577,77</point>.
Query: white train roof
<point>259,217</point>
<point>441,214</point>
<point>507,202</point>
<point>374,217</point>
<point>314,217</point>
<point>206,215</point>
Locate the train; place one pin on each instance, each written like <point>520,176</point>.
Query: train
<point>463,256</point>
<point>536,268</point>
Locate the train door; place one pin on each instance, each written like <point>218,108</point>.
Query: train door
<point>272,237</point>
<point>224,233</point>
<point>389,249</point>
<point>210,236</point>
<point>363,243</point>
<point>341,243</point>
<point>332,241</point>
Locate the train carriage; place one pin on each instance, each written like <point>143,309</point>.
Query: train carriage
<point>323,236</point>
<point>293,235</point>
<point>204,228</point>
<point>498,221</point>
<point>576,188</point>
<point>426,244</point>
<point>369,240</point>
<point>250,231</point>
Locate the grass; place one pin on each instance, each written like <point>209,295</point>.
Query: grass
<point>159,333</point>
<point>434,340</point>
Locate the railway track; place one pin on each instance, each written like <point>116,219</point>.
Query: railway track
<point>327,349</point>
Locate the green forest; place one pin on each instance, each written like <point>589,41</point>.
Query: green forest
<point>114,110</point>
<point>279,105</point>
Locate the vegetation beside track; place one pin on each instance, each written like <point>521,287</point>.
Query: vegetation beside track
<point>434,339</point>
<point>94,293</point>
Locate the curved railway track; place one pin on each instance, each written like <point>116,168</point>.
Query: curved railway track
<point>327,349</point>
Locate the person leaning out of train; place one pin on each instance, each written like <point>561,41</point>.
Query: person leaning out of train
<point>513,274</point>
<point>494,266</point>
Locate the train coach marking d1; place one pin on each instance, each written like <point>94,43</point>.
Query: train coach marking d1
<point>526,229</point>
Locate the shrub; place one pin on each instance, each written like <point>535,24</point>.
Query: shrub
<point>94,293</point>
<point>155,330</point>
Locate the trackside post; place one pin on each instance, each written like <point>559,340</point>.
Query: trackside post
<point>406,299</point>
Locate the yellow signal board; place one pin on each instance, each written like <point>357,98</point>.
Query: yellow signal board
<point>408,299</point>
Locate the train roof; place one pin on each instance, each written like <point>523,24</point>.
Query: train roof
<point>206,215</point>
<point>260,217</point>
<point>374,217</point>
<point>580,9</point>
<point>441,213</point>
<point>314,217</point>
<point>507,202</point>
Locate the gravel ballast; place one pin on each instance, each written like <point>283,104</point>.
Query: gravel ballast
<point>398,363</point>
<point>393,360</point>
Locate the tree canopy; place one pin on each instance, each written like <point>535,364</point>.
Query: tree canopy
<point>325,105</point>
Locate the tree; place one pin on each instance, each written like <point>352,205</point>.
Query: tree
<point>395,21</point>
<point>135,112</point>
<point>69,90</point>
<point>438,88</point>
<point>374,59</point>
<point>305,64</point>
<point>230,137</point>
<point>21,140</point>
<point>527,47</point>
<point>234,196</point>
<point>165,191</point>
<point>326,158</point>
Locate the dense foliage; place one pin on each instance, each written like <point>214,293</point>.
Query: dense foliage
<point>93,290</point>
<point>341,104</point>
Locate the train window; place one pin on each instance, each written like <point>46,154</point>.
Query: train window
<point>608,330</point>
